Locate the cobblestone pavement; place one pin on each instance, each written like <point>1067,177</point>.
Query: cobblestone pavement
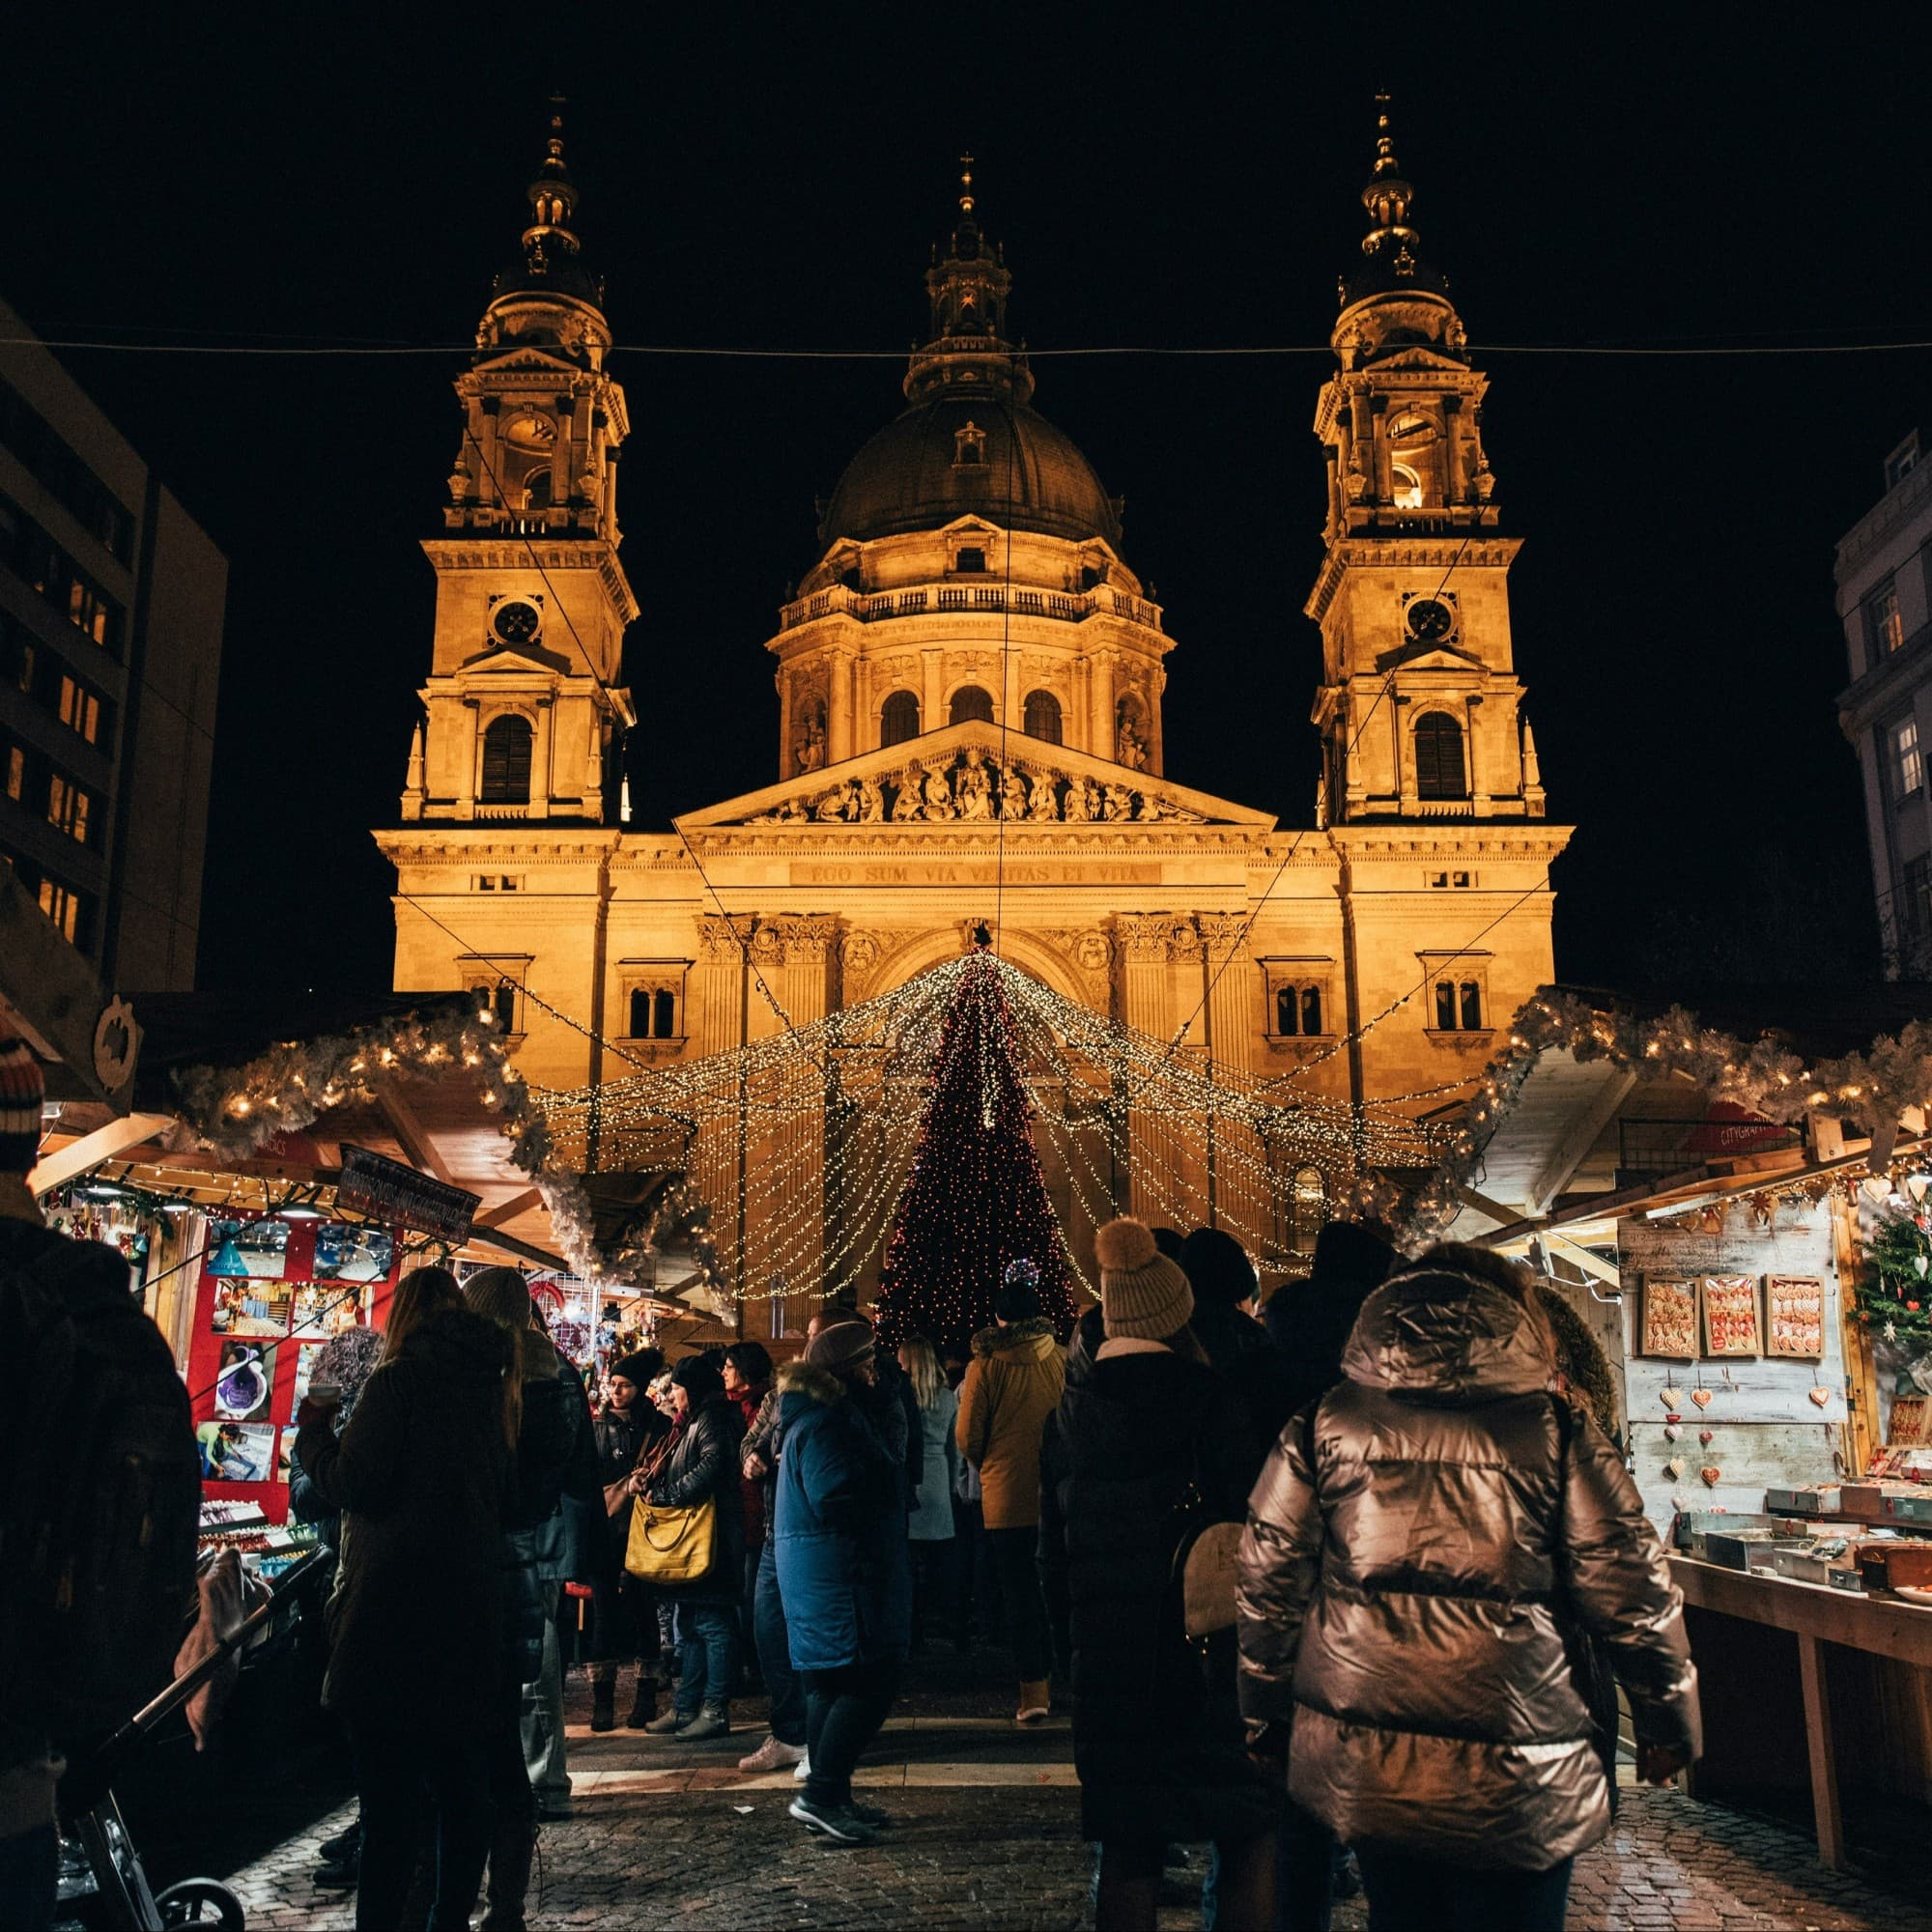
<point>987,1836</point>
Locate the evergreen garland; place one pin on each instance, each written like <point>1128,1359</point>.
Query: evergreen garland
<point>1894,1294</point>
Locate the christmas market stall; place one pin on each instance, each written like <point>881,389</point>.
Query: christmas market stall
<point>1740,1216</point>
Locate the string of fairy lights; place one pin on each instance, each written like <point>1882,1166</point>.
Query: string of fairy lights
<point>806,1139</point>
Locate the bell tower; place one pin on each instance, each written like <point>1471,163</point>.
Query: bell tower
<point>1419,707</point>
<point>523,701</point>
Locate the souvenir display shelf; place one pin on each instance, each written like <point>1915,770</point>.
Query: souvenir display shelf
<point>271,1292</point>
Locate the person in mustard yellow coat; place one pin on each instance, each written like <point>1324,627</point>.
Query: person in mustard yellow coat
<point>1013,1385</point>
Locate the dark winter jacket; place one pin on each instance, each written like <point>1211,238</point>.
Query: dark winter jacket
<point>1237,1348</point>
<point>622,1436</point>
<point>534,1542</point>
<point>893,1380</point>
<point>704,1466</point>
<point>839,1529</point>
<point>1310,1322</point>
<point>1013,1385</point>
<point>1157,1735</point>
<point>567,1540</point>
<point>1412,1555</point>
<point>750,1406</point>
<point>430,1486</point>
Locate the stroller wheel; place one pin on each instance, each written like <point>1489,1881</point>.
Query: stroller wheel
<point>202,1901</point>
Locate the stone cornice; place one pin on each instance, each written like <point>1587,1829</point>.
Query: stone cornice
<point>1477,839</point>
<point>483,551</point>
<point>1443,551</point>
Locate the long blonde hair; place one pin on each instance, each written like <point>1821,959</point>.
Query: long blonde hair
<point>420,1293</point>
<point>922,1364</point>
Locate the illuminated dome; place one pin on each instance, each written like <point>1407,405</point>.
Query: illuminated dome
<point>971,451</point>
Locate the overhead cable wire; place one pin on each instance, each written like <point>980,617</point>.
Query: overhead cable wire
<point>1645,350</point>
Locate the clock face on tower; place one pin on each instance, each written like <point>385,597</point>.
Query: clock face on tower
<point>516,623</point>
<point>1430,620</point>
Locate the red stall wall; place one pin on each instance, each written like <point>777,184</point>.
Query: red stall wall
<point>292,1314</point>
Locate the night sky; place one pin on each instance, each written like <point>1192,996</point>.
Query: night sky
<point>767,181</point>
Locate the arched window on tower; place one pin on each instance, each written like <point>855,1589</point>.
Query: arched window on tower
<point>1042,715</point>
<point>536,489</point>
<point>971,705</point>
<point>898,718</point>
<point>506,761</point>
<point>1405,487</point>
<point>1439,770</point>
<point>1308,1209</point>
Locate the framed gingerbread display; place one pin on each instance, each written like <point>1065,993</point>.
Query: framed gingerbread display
<point>1794,1316</point>
<point>1669,1322</point>
<point>1731,1324</point>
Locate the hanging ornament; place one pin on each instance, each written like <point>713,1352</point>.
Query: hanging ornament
<point>1671,1431</point>
<point>1674,1397</point>
<point>1709,1474</point>
<point>1891,1331</point>
<point>1821,1396</point>
<point>1706,1437</point>
<point>1701,1397</point>
<point>1674,1467</point>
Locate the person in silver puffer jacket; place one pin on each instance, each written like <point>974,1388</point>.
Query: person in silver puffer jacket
<point>1424,1549</point>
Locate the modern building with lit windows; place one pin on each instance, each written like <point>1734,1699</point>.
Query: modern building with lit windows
<point>1885,601</point>
<point>111,605</point>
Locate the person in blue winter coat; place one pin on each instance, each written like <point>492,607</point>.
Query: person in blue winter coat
<point>839,1531</point>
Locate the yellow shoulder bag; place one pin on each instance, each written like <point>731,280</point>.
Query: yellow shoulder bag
<point>672,1546</point>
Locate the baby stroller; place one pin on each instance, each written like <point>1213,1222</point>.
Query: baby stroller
<point>112,1875</point>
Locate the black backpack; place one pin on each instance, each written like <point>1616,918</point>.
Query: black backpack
<point>99,1490</point>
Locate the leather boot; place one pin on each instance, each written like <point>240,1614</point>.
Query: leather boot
<point>1036,1702</point>
<point>512,1848</point>
<point>603,1704</point>
<point>645,1705</point>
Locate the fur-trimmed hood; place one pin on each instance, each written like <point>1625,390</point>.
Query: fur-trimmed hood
<point>1015,1335</point>
<point>809,1380</point>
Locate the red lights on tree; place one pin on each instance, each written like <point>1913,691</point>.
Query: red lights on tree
<point>974,1199</point>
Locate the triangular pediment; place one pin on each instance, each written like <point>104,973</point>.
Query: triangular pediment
<point>1057,785</point>
<point>1414,656</point>
<point>527,357</point>
<point>523,660</point>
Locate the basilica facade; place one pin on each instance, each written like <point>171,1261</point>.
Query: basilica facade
<point>971,684</point>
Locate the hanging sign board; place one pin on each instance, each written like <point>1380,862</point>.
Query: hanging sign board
<point>386,1190</point>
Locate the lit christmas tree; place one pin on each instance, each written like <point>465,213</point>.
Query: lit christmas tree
<point>974,1200</point>
<point>1895,1296</point>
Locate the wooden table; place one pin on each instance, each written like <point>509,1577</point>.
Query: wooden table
<point>1815,1616</point>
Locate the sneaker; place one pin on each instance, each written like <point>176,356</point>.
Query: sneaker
<point>712,1722</point>
<point>774,1754</point>
<point>665,1725</point>
<point>871,1814</point>
<point>802,1770</point>
<point>835,1821</point>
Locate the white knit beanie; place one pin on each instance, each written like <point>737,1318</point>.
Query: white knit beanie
<point>1142,1295</point>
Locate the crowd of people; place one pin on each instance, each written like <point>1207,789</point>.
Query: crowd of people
<point>1345,1584</point>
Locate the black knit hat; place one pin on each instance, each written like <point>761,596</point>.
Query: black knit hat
<point>700,1377</point>
<point>1352,1254</point>
<point>641,1369</point>
<point>1217,1268</point>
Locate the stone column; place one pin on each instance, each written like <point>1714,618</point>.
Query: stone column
<point>838,722</point>
<point>932,700</point>
<point>1100,667</point>
<point>543,746</point>
<point>472,761</point>
<point>1141,951</point>
<point>783,679</point>
<point>1453,490</point>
